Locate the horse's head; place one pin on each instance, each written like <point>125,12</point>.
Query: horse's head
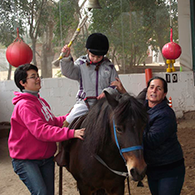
<point>128,120</point>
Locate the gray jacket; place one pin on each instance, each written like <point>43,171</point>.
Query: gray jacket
<point>91,82</point>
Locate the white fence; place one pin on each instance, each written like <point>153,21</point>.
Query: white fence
<point>60,92</point>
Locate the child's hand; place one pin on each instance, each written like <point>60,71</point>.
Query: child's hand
<point>78,133</point>
<point>66,51</point>
<point>101,96</point>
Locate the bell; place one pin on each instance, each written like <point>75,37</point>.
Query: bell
<point>93,4</point>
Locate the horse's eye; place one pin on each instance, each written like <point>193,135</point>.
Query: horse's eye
<point>118,129</point>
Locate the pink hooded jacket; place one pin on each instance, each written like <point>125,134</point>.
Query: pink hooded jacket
<point>34,129</point>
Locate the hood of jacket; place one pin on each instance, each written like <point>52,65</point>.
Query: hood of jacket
<point>21,96</point>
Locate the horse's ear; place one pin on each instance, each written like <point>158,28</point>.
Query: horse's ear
<point>141,97</point>
<point>111,100</point>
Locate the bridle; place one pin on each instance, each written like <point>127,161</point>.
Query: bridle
<point>121,151</point>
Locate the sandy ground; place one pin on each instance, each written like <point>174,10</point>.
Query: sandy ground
<point>10,184</point>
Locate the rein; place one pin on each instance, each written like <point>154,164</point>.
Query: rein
<point>124,174</point>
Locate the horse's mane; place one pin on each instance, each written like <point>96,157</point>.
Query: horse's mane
<point>98,120</point>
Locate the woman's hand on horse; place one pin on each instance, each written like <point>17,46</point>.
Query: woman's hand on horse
<point>78,133</point>
<point>101,96</point>
<point>119,86</point>
<point>66,51</point>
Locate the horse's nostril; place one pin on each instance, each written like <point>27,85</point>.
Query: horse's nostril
<point>135,175</point>
<point>132,171</point>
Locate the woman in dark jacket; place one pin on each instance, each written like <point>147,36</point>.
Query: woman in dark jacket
<point>162,150</point>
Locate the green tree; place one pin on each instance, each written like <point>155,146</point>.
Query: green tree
<point>66,19</point>
<point>38,19</point>
<point>133,25</point>
<point>66,25</point>
<point>9,22</point>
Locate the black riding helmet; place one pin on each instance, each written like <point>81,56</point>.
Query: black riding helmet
<point>97,44</point>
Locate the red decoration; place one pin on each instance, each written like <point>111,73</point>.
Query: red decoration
<point>171,50</point>
<point>19,52</point>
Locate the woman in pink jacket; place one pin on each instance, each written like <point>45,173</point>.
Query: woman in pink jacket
<point>34,133</point>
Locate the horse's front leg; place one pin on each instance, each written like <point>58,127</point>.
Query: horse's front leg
<point>115,192</point>
<point>84,189</point>
<point>100,192</point>
<point>117,189</point>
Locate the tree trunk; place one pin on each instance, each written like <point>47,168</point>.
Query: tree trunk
<point>9,72</point>
<point>47,52</point>
<point>34,51</point>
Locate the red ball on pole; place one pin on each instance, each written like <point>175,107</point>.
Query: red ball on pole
<point>19,52</point>
<point>171,50</point>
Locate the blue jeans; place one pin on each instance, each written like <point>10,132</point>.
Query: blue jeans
<point>168,186</point>
<point>167,181</point>
<point>37,175</point>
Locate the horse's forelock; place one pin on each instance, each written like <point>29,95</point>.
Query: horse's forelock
<point>139,111</point>
<point>130,107</point>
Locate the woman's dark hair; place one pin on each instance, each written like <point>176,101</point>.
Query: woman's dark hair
<point>160,78</point>
<point>20,74</point>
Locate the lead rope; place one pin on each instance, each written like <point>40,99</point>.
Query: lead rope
<point>128,185</point>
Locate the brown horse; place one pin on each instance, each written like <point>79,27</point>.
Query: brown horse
<point>112,146</point>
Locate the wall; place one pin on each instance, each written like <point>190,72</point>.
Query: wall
<point>184,31</point>
<point>60,92</point>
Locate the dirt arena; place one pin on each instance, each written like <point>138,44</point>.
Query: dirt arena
<point>10,184</point>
